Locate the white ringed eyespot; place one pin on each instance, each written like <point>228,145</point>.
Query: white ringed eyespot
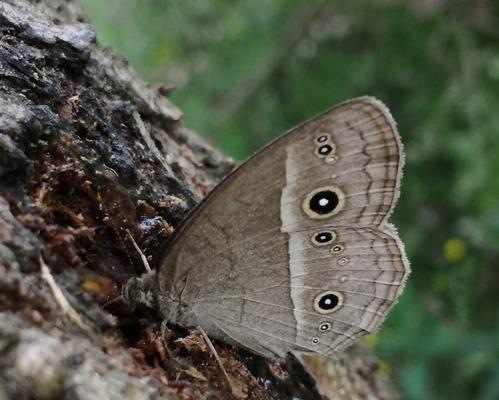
<point>323,238</point>
<point>324,326</point>
<point>328,302</point>
<point>324,202</point>
<point>322,138</point>
<point>337,249</point>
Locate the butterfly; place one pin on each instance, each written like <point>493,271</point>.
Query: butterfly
<point>292,251</point>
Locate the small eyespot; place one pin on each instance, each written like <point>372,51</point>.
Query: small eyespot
<point>331,159</point>
<point>323,238</point>
<point>324,202</point>
<point>315,340</point>
<point>343,261</point>
<point>343,279</point>
<point>337,249</point>
<point>324,326</point>
<point>328,302</point>
<point>324,150</point>
<point>322,138</point>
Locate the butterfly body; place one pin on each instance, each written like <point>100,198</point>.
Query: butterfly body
<point>292,251</point>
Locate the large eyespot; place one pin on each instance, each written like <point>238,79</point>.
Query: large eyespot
<point>323,238</point>
<point>325,150</point>
<point>324,202</point>
<point>324,326</point>
<point>328,302</point>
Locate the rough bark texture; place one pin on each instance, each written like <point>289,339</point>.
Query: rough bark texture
<point>89,155</point>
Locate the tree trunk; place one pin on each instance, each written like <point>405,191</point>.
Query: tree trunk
<point>90,157</point>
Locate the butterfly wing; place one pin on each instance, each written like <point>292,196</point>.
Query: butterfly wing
<point>292,252</point>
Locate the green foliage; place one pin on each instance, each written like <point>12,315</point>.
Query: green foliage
<point>247,70</point>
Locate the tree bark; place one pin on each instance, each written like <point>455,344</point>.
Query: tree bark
<point>91,156</point>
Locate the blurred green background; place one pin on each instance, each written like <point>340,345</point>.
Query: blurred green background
<point>247,70</point>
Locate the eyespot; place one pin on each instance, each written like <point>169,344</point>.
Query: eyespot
<point>323,238</point>
<point>325,149</point>
<point>343,261</point>
<point>331,159</point>
<point>328,302</point>
<point>324,326</point>
<point>343,279</point>
<point>323,138</point>
<point>324,202</point>
<point>337,249</point>
<point>315,340</point>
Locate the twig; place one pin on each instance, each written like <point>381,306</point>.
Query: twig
<point>59,297</point>
<point>150,143</point>
<point>142,255</point>
<point>217,358</point>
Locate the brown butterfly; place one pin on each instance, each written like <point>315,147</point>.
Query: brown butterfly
<point>292,251</point>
